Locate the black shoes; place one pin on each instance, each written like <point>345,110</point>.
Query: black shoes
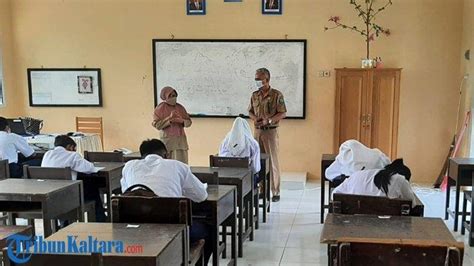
<point>276,198</point>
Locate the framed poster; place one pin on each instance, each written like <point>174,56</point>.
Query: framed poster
<point>196,7</point>
<point>64,87</point>
<point>272,7</point>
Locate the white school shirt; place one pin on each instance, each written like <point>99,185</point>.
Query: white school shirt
<point>252,151</point>
<point>60,157</point>
<point>11,144</point>
<point>362,183</point>
<point>167,178</point>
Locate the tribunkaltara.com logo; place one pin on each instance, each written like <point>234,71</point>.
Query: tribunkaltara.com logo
<point>20,247</point>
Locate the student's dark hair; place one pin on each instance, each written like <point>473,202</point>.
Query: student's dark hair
<point>153,146</point>
<point>3,123</point>
<point>64,141</point>
<point>383,177</point>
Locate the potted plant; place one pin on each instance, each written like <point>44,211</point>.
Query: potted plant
<point>368,12</point>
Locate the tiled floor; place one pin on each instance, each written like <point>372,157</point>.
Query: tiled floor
<point>291,235</point>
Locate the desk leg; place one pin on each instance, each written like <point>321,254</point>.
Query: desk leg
<point>448,193</point>
<point>251,213</point>
<point>471,232</point>
<point>269,185</point>
<point>323,191</point>
<point>234,232</point>
<point>109,206</point>
<point>240,204</point>
<point>456,206</point>
<point>264,198</point>
<point>215,244</point>
<point>47,229</point>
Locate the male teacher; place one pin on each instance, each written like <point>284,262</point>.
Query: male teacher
<point>266,109</point>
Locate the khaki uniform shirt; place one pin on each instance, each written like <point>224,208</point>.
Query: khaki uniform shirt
<point>268,106</point>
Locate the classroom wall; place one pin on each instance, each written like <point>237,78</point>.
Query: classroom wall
<point>116,36</point>
<point>13,105</point>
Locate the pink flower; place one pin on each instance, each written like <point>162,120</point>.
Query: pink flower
<point>387,32</point>
<point>335,19</point>
<point>371,37</point>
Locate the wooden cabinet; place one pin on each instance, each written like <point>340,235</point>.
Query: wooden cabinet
<point>367,108</point>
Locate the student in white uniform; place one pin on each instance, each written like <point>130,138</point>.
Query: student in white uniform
<point>167,178</point>
<point>11,145</point>
<point>354,156</point>
<point>392,181</point>
<point>239,142</point>
<point>64,155</point>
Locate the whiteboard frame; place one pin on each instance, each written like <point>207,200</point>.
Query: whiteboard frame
<point>303,41</point>
<point>99,86</point>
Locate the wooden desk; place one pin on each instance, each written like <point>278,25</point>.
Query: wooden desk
<point>221,204</point>
<point>109,178</point>
<point>131,156</point>
<point>398,230</point>
<point>9,230</point>
<point>242,179</point>
<point>460,174</point>
<point>162,244</point>
<point>53,197</point>
<point>326,161</point>
<point>265,176</point>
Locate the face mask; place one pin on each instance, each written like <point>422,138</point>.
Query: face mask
<point>259,84</point>
<point>172,100</point>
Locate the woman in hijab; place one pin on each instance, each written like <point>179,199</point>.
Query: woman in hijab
<point>239,142</point>
<point>171,118</point>
<point>391,181</point>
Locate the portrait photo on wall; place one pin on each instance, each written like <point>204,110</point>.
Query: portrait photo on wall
<point>272,7</point>
<point>84,84</point>
<point>196,7</point>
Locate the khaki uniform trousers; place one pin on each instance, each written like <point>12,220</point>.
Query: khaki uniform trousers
<point>179,155</point>
<point>268,140</point>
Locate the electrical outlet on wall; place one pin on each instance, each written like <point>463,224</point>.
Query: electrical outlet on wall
<point>324,73</point>
<point>321,74</point>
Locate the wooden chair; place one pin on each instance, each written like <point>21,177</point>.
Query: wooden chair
<point>57,173</point>
<point>211,179</point>
<point>239,162</point>
<point>91,125</point>
<point>362,254</point>
<point>467,225</point>
<point>103,156</point>
<point>4,174</point>
<point>4,169</point>
<point>372,205</point>
<point>139,209</point>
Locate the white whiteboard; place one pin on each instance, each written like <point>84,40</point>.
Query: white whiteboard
<point>217,77</point>
<point>64,87</point>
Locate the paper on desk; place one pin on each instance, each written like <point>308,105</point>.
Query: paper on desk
<point>133,225</point>
<point>97,169</point>
<point>205,185</point>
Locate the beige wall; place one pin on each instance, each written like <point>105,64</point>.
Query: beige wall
<point>13,106</point>
<point>116,35</point>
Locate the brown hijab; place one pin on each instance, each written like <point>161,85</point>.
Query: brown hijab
<point>163,110</point>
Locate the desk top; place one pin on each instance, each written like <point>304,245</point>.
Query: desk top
<point>328,157</point>
<point>393,230</point>
<point>463,161</point>
<point>217,192</point>
<point>154,238</point>
<point>15,186</point>
<point>264,156</point>
<point>8,230</point>
<point>223,172</point>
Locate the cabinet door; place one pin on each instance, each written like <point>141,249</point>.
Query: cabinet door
<point>351,102</point>
<point>383,111</point>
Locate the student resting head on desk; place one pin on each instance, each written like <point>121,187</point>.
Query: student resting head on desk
<point>239,142</point>
<point>64,155</point>
<point>392,181</point>
<point>167,178</point>
<point>10,145</point>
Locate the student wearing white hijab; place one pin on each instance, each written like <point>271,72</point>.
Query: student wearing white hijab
<point>239,142</point>
<point>354,156</point>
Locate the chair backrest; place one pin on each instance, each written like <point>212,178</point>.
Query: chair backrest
<point>372,205</point>
<point>237,162</point>
<point>139,209</point>
<point>103,156</point>
<point>4,169</point>
<point>92,125</point>
<point>356,254</point>
<point>209,178</point>
<point>53,173</point>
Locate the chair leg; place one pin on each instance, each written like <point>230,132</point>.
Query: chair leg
<point>224,240</point>
<point>463,217</point>
<point>256,208</point>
